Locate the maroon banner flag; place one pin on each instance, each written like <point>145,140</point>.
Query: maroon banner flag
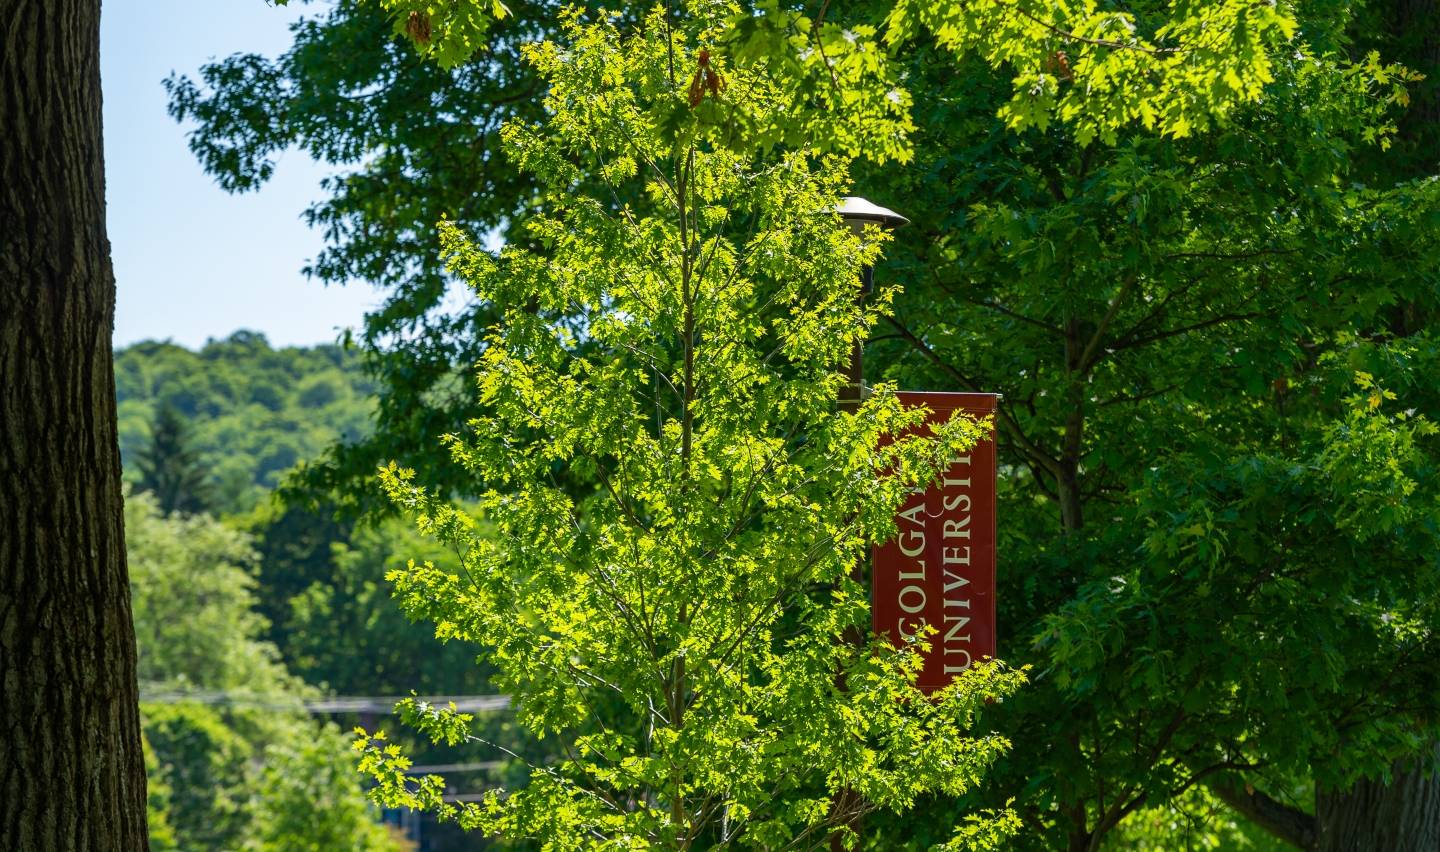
<point>940,567</point>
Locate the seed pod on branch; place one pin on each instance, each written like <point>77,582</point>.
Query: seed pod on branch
<point>418,26</point>
<point>706,79</point>
<point>1058,63</point>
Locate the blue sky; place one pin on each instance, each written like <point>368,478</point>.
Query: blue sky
<point>191,261</point>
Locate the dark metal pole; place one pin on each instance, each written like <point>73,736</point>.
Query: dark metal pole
<point>847,802</point>
<point>854,391</point>
<point>857,213</point>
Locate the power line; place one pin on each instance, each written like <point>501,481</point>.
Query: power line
<point>375,704</point>
<point>482,766</point>
<point>386,704</point>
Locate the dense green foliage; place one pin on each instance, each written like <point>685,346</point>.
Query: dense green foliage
<point>235,762</point>
<point>262,610</point>
<point>1176,327</point>
<point>252,412</point>
<point>310,799</point>
<point>413,142</point>
<point>1217,553</point>
<point>316,582</point>
<point>193,591</point>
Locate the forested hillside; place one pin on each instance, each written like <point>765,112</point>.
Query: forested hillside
<point>252,411</point>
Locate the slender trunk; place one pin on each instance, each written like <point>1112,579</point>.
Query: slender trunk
<point>1072,445</point>
<point>71,768</point>
<point>678,812</point>
<point>846,806</point>
<point>1080,835</point>
<point>1067,488</point>
<point>1082,838</point>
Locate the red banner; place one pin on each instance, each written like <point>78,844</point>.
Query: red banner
<point>940,567</point>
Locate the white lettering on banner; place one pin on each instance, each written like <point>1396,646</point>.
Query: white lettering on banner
<point>955,558</point>
<point>955,644</point>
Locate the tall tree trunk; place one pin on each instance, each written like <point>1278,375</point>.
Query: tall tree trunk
<point>1402,816</point>
<point>72,775</point>
<point>1368,816</point>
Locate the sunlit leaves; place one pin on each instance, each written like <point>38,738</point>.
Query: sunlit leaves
<point>676,613</point>
<point>450,32</point>
<point>1101,70</point>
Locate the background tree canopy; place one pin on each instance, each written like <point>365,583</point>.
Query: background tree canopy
<point>254,771</point>
<point>1212,324</point>
<point>241,617</point>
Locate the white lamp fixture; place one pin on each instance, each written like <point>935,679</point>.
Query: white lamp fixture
<point>857,213</point>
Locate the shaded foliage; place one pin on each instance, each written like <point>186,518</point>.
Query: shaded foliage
<point>1178,329</point>
<point>234,761</point>
<point>323,589</point>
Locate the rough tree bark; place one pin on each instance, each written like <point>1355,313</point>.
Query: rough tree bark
<point>1370,815</point>
<point>1403,816</point>
<point>72,775</point>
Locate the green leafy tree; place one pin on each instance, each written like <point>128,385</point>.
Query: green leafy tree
<point>170,468</point>
<point>1101,69</point>
<point>220,713</point>
<point>344,629</point>
<point>297,547</point>
<point>157,804</point>
<point>308,801</point>
<point>363,117</point>
<point>1160,331</point>
<point>192,588</point>
<point>400,168</point>
<point>321,589</point>
<point>683,629</point>
<point>201,761</point>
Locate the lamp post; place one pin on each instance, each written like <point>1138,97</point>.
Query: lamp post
<point>857,213</point>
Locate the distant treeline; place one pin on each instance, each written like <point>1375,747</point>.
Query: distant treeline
<point>253,411</point>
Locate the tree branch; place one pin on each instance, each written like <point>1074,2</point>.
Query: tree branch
<point>1136,342</point>
<point>995,306</point>
<point>1291,825</point>
<point>1216,255</point>
<point>1006,419</point>
<point>1088,354</point>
